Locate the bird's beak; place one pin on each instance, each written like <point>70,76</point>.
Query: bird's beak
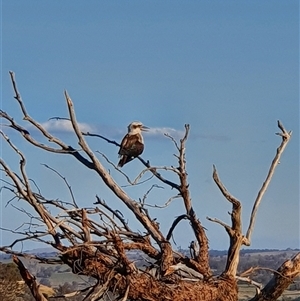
<point>144,128</point>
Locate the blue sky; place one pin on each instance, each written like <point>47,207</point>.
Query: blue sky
<point>228,68</point>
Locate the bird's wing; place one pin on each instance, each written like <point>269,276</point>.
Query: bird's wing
<point>122,150</point>
<point>131,146</point>
<point>137,149</point>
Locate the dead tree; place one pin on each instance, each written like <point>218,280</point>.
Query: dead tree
<point>95,242</point>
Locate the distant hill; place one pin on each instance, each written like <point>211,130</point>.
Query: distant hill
<point>50,252</point>
<point>215,253</point>
<point>41,250</point>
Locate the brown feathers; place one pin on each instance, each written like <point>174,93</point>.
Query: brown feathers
<point>132,144</point>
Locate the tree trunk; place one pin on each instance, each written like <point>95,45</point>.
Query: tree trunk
<point>281,280</point>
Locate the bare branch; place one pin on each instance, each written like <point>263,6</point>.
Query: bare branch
<point>64,149</point>
<point>227,228</point>
<point>253,269</point>
<point>66,182</point>
<point>285,140</point>
<point>149,190</point>
<point>224,191</point>
<point>175,223</point>
<point>287,272</point>
<point>159,176</point>
<point>234,232</point>
<point>115,213</point>
<point>250,281</point>
<point>166,204</point>
<point>174,141</point>
<point>29,280</point>
<point>99,289</point>
<point>146,164</point>
<point>236,205</point>
<point>102,137</point>
<point>123,173</point>
<point>199,231</point>
<point>154,169</point>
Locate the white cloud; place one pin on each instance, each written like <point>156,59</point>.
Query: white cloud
<point>62,125</point>
<point>160,132</point>
<point>152,133</point>
<point>178,134</point>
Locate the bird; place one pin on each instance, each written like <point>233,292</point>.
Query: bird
<point>132,144</point>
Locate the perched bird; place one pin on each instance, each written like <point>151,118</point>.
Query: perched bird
<point>132,144</point>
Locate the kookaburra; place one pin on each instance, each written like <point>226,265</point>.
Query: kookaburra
<point>132,144</point>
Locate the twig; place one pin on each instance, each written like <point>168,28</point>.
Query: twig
<point>227,228</point>
<point>116,213</point>
<point>145,163</point>
<point>123,173</point>
<point>173,140</point>
<point>102,137</point>
<point>166,204</point>
<point>250,281</point>
<point>66,182</point>
<point>253,269</point>
<point>153,170</point>
<point>149,190</point>
<point>175,223</point>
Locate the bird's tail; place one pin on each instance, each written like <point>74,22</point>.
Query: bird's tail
<point>124,159</point>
